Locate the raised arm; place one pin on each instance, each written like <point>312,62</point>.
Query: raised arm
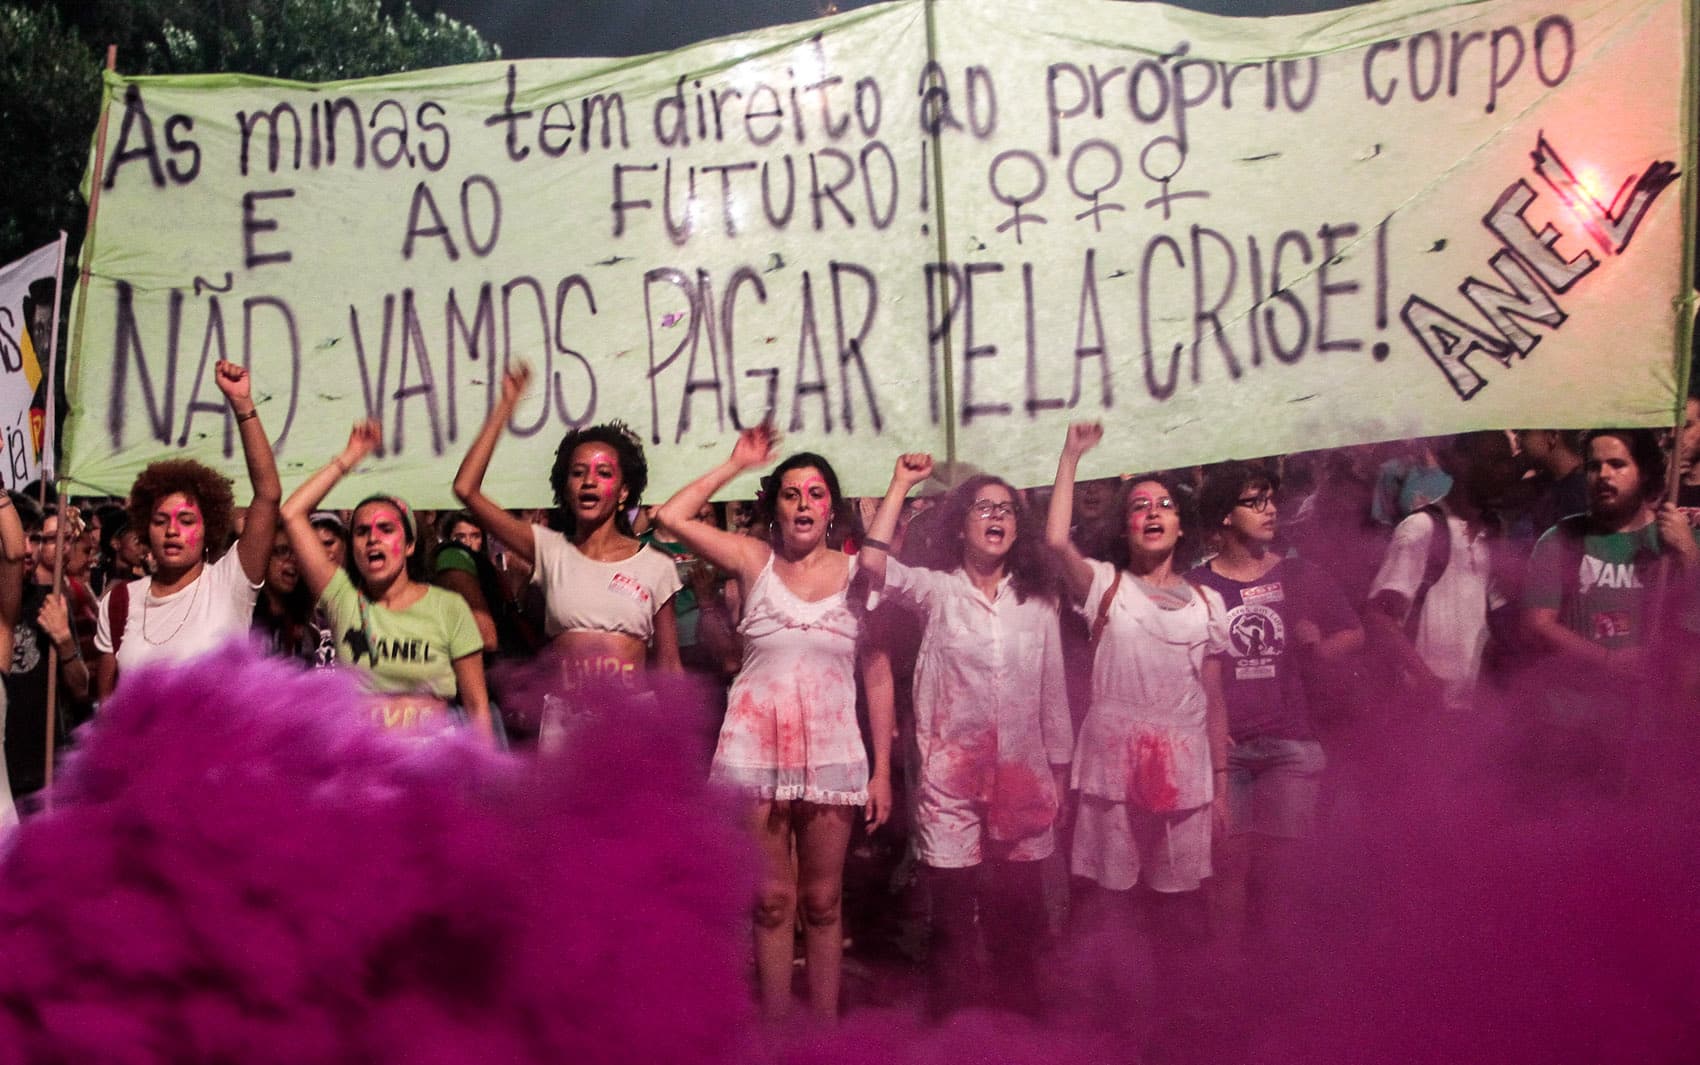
<point>912,468</point>
<point>1077,575</point>
<point>741,555</point>
<point>469,479</point>
<point>254,546</point>
<point>316,568</point>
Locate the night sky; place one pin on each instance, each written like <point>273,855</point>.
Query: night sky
<point>533,28</point>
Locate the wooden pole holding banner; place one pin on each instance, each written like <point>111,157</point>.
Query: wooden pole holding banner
<point>76,346</point>
<point>48,436</point>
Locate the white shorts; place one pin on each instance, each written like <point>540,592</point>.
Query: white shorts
<point>950,832</point>
<point>1119,846</point>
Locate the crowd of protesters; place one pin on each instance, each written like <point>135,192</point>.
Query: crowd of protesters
<point>1147,680</point>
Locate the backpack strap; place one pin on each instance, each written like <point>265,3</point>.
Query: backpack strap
<point>118,612</point>
<point>1103,617</point>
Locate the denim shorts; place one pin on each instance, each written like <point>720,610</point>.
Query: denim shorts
<point>1273,785</point>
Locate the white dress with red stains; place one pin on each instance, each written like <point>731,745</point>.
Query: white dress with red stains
<point>790,730</point>
<point>991,718</point>
<point>1142,764</point>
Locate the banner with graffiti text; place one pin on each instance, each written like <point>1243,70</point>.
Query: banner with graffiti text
<point>934,225</point>
<point>29,292</point>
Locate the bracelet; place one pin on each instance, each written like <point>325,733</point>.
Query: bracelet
<point>336,460</point>
<point>253,412</point>
<point>877,545</point>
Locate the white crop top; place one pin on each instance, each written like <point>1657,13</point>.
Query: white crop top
<point>581,594</point>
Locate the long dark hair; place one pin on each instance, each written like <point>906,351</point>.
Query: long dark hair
<point>844,524</point>
<point>1030,567</point>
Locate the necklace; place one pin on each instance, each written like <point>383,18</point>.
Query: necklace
<point>188,610</point>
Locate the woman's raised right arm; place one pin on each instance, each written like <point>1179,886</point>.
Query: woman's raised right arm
<point>1077,575</point>
<point>912,468</point>
<point>741,555</point>
<point>317,568</point>
<point>469,479</point>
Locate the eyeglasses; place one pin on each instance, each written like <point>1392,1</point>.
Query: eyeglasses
<point>1258,503</point>
<point>986,510</point>
<point>1142,503</point>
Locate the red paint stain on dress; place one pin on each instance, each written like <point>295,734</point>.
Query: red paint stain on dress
<point>751,717</point>
<point>1024,803</point>
<point>1151,777</point>
<point>969,769</point>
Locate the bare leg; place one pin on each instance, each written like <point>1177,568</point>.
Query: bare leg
<point>776,908</point>
<point>823,836</point>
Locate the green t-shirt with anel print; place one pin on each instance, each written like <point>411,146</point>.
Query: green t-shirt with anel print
<point>412,650</point>
<point>1610,590</point>
<point>1603,590</point>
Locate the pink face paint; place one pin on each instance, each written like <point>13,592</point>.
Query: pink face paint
<point>184,521</point>
<point>381,527</point>
<point>595,469</point>
<point>812,491</point>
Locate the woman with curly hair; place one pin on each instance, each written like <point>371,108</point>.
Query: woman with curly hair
<point>607,597</point>
<point>419,647</point>
<point>200,594</point>
<point>790,740</point>
<point>992,728</point>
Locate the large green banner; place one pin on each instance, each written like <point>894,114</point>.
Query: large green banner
<point>933,225</point>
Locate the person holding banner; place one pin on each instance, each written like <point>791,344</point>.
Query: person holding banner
<point>790,739</point>
<point>421,649</point>
<point>992,729</point>
<point>1593,604</point>
<point>1151,763</point>
<point>608,597</point>
<point>200,594</point>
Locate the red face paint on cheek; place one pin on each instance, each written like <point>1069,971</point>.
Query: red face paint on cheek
<point>812,493</point>
<point>186,523</point>
<point>601,472</point>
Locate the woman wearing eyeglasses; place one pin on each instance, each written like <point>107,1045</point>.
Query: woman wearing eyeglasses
<point>991,728</point>
<point>1283,614</point>
<point>1152,755</point>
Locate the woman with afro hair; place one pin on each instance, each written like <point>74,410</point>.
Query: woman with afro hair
<point>607,597</point>
<point>200,594</point>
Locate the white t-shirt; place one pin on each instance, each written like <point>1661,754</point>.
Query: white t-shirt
<point>583,594</point>
<point>215,607</point>
<point>1452,631</point>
